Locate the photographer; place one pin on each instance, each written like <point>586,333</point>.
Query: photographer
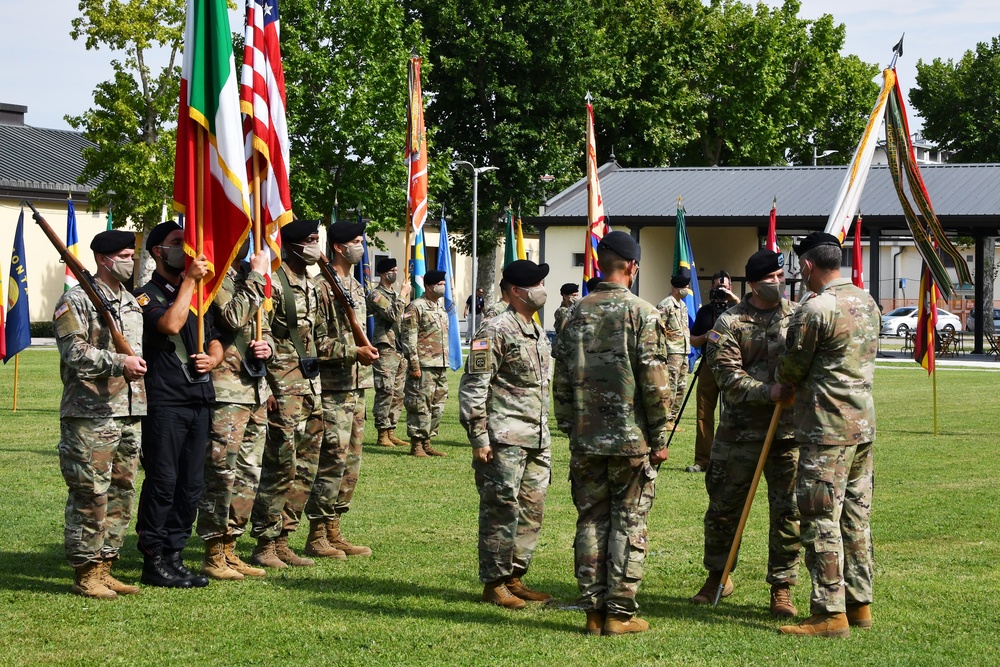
<point>721,298</point>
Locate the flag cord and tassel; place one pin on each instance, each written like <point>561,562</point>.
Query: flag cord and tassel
<point>200,229</point>
<point>257,244</point>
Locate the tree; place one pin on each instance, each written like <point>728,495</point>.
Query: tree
<point>960,105</point>
<point>133,157</point>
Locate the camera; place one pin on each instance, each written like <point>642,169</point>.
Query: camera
<point>717,295</point>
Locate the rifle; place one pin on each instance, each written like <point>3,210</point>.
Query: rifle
<point>86,280</point>
<point>345,301</point>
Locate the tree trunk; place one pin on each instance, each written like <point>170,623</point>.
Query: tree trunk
<point>488,275</point>
<point>989,270</point>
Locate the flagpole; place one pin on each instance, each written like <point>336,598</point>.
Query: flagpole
<point>17,361</point>
<point>200,228</point>
<point>934,385</point>
<point>257,244</point>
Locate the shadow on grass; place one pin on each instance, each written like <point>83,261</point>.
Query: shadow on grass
<point>41,571</point>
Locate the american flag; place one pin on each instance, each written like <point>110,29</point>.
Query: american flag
<point>262,101</point>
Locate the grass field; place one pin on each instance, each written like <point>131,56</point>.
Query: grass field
<point>935,524</point>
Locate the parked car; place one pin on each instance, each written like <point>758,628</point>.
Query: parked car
<point>970,321</point>
<point>901,321</point>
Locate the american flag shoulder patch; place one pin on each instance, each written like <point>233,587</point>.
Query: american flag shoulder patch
<point>480,344</point>
<point>60,311</point>
<point>714,336</point>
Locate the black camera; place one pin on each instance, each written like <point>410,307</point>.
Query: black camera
<point>717,295</point>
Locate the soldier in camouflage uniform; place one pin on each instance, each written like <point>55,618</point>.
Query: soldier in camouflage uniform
<point>741,353</point>
<point>345,371</point>
<point>675,318</point>
<point>239,419</point>
<point>830,359</point>
<point>610,391</point>
<point>503,405</point>
<point>390,367</point>
<point>570,293</point>
<point>425,344</point>
<point>497,307</point>
<point>99,417</point>
<point>295,421</point>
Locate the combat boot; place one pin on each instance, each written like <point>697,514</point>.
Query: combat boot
<point>781,601</point>
<point>417,448</point>
<point>396,441</point>
<point>820,625</point>
<point>87,581</point>
<point>317,544</point>
<point>174,561</point>
<point>517,587</point>
<point>383,439</point>
<point>711,586</point>
<point>497,593</point>
<point>620,624</point>
<point>215,565</point>
<point>337,540</point>
<point>157,572</point>
<point>118,587</point>
<point>859,615</point>
<point>264,554</point>
<point>289,557</point>
<point>234,562</point>
<point>595,623</point>
<point>431,451</point>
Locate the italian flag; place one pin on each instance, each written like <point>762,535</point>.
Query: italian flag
<point>210,182</point>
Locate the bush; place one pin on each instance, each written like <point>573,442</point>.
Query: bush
<point>42,329</point>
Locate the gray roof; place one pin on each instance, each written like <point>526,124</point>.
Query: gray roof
<point>41,160</point>
<point>964,196</point>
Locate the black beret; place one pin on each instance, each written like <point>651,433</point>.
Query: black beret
<point>342,232</point>
<point>112,241</point>
<point>762,263</point>
<point>434,277</point>
<point>815,240</point>
<point>682,278</point>
<point>593,283</point>
<point>622,244</point>
<point>160,232</point>
<point>525,273</point>
<point>297,230</point>
<point>385,264</point>
<point>569,288</point>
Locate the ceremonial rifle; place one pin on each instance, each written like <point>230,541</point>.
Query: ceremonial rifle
<point>86,280</point>
<point>345,301</point>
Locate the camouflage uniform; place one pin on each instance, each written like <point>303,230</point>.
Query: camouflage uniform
<point>344,382</point>
<point>239,418</point>
<point>742,352</point>
<point>295,429</point>
<point>504,404</point>
<point>390,368</point>
<point>559,317</point>
<point>830,358</point>
<point>610,391</point>
<point>675,318</point>
<point>494,309</point>
<point>425,344</point>
<point>98,422</point>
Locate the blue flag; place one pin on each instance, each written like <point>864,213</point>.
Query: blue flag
<point>684,258</point>
<point>444,264</point>
<point>363,274</point>
<point>418,265</point>
<point>17,331</point>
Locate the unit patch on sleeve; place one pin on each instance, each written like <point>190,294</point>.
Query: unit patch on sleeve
<point>479,356</point>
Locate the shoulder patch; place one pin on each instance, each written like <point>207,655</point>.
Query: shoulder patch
<point>479,356</point>
<point>142,299</point>
<point>714,336</point>
<point>407,314</point>
<point>60,311</point>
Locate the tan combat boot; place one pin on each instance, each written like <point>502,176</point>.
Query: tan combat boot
<point>336,539</point>
<point>396,441</point>
<point>87,582</point>
<point>431,451</point>
<point>120,588</point>
<point>517,587</point>
<point>620,624</point>
<point>289,557</point>
<point>781,601</point>
<point>497,593</point>
<point>820,625</point>
<point>711,586</point>
<point>234,562</point>
<point>264,554</point>
<point>859,615</point>
<point>215,566</point>
<point>595,623</point>
<point>318,544</point>
<point>417,448</point>
<point>383,439</point>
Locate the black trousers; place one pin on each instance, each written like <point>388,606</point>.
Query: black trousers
<point>174,438</point>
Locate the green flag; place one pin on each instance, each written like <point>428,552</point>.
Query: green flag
<point>510,242</point>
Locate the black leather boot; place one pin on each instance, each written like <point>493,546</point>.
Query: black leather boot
<point>174,561</point>
<point>157,572</point>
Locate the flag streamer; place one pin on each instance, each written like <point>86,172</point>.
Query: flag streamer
<point>597,224</point>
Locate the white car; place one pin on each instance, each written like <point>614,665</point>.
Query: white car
<point>902,321</point>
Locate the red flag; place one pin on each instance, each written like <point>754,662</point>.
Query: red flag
<point>597,224</point>
<point>857,268</point>
<point>923,342</point>
<point>416,150</point>
<point>772,228</point>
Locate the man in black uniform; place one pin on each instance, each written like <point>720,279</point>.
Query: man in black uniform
<point>179,394</point>
<point>721,298</point>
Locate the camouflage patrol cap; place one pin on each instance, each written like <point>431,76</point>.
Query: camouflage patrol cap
<point>385,264</point>
<point>525,273</point>
<point>622,244</point>
<point>815,240</point>
<point>569,288</point>
<point>433,277</point>
<point>342,232</point>
<point>160,232</point>
<point>298,230</point>
<point>762,263</point>
<point>112,241</point>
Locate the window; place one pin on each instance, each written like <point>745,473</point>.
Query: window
<point>577,259</point>
<point>847,257</point>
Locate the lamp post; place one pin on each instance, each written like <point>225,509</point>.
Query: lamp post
<point>475,229</point>
<point>817,155</point>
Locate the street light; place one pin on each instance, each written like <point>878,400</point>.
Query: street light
<point>819,155</point>
<point>475,227</point>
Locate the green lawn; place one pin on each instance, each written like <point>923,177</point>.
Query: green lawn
<point>935,524</point>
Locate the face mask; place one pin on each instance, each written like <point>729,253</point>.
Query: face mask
<point>389,277</point>
<point>309,252</point>
<point>684,292</point>
<point>174,257</point>
<point>437,290</point>
<point>120,269</point>
<point>535,297</point>
<point>353,253</point>
<point>771,292</point>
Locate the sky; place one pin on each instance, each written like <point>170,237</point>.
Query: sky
<point>45,70</point>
